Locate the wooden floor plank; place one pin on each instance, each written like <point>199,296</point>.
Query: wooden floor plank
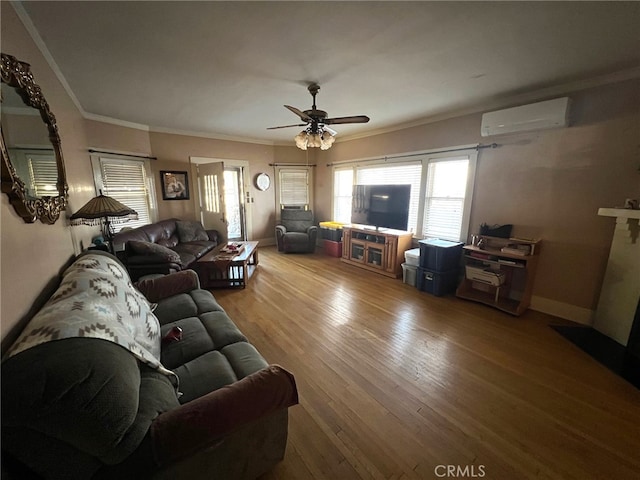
<point>394,382</point>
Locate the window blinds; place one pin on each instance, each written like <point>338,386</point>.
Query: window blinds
<point>43,172</point>
<point>294,187</point>
<point>126,181</point>
<point>444,200</point>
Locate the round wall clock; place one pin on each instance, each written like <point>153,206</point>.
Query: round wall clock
<point>263,182</point>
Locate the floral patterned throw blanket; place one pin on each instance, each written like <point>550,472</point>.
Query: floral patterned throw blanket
<point>97,300</point>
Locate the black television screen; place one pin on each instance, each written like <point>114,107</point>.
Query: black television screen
<point>385,206</point>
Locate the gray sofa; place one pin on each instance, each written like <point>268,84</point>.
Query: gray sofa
<point>84,396</point>
<point>165,246</point>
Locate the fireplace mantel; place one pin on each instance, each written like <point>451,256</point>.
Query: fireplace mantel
<point>621,285</point>
<point>619,213</point>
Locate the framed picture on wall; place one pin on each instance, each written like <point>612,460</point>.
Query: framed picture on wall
<point>175,185</point>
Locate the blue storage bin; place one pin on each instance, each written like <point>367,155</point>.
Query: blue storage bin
<point>437,283</point>
<point>440,255</point>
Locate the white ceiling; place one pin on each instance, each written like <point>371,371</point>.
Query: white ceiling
<point>226,68</point>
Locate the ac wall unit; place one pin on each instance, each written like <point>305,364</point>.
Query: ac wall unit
<point>535,116</point>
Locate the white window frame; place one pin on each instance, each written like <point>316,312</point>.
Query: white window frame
<point>423,158</point>
<point>472,157</point>
<point>96,162</point>
<point>278,185</point>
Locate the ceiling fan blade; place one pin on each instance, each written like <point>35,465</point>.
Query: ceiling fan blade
<point>303,116</point>
<point>339,120</point>
<point>287,126</point>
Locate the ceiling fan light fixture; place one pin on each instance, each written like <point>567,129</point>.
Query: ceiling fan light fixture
<point>314,140</point>
<point>326,140</point>
<point>322,139</point>
<point>301,140</point>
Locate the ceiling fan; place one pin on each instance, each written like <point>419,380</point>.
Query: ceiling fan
<point>317,133</point>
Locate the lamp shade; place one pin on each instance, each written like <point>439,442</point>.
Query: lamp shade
<point>301,140</point>
<point>103,207</point>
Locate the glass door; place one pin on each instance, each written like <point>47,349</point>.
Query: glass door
<point>357,251</point>
<point>234,203</point>
<point>375,254</point>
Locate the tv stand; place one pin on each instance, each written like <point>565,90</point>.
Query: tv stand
<point>380,251</point>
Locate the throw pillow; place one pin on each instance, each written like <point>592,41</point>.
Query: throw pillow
<point>147,248</point>
<point>191,231</point>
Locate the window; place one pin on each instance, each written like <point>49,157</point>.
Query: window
<point>342,192</point>
<point>37,167</point>
<point>43,174</point>
<point>294,187</point>
<point>126,180</point>
<point>233,202</point>
<point>441,191</point>
<point>444,200</point>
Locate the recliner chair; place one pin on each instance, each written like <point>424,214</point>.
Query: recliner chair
<point>296,231</point>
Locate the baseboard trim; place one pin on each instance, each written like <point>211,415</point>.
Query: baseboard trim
<point>567,311</point>
<point>266,242</point>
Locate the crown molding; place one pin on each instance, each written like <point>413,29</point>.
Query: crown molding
<point>115,121</point>
<point>35,36</point>
<point>215,136</point>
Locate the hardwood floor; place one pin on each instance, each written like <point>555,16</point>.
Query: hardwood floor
<point>394,382</point>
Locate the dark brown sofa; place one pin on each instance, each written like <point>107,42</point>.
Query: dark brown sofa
<point>164,247</point>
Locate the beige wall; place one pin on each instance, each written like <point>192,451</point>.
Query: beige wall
<point>174,151</point>
<point>32,254</point>
<point>116,138</point>
<point>547,183</point>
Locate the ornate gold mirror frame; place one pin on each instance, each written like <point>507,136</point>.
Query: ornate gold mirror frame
<point>47,209</point>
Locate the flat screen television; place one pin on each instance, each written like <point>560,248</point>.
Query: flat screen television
<point>381,206</point>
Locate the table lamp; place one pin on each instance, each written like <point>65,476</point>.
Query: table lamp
<point>104,210</point>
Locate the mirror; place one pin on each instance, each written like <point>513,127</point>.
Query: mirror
<point>33,174</point>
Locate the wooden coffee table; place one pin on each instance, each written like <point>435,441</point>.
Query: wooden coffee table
<point>223,270</point>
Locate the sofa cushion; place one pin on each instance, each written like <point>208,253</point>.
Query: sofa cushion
<point>243,358</point>
<point>221,329</point>
<point>153,250</point>
<point>297,220</point>
<point>195,342</point>
<point>216,369</point>
<point>184,305</point>
<point>212,331</point>
<point>156,287</point>
<point>163,232</point>
<point>297,242</point>
<point>196,249</point>
<point>204,374</point>
<point>189,231</point>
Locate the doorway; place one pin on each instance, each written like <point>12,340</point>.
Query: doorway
<point>231,179</point>
<point>234,203</point>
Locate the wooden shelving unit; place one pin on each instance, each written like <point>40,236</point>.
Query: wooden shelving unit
<point>380,251</point>
<point>514,294</point>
